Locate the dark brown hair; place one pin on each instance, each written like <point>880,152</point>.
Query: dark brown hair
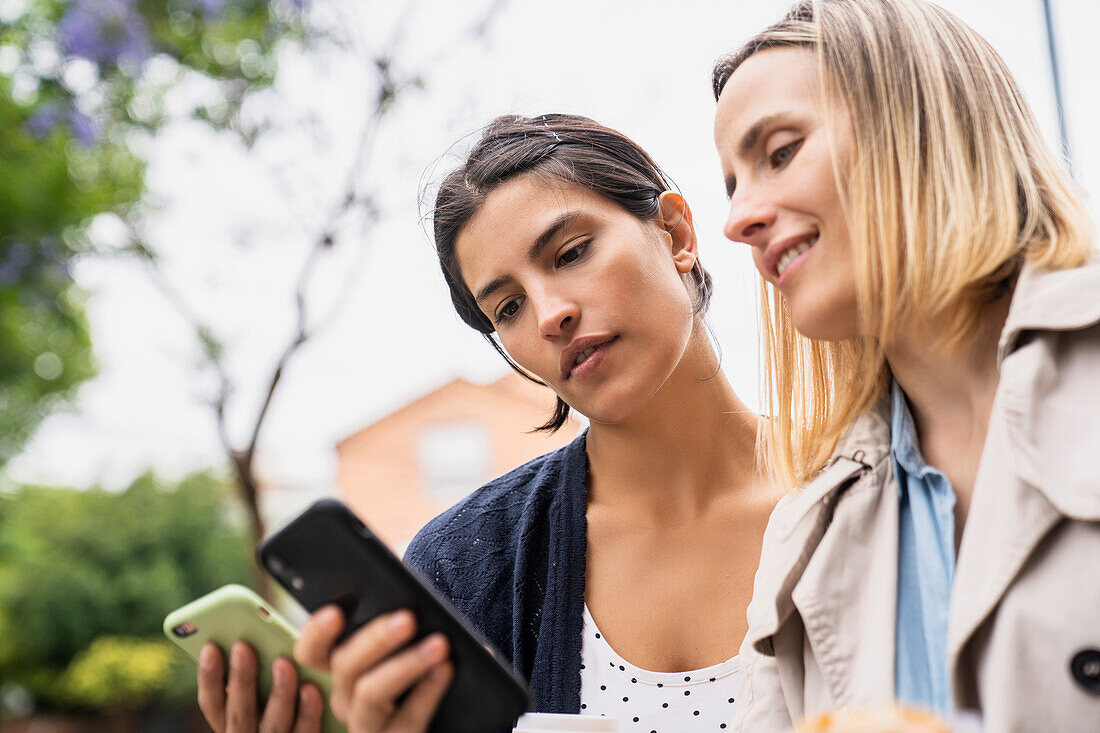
<point>565,148</point>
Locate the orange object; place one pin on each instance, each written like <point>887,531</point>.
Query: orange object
<point>873,720</point>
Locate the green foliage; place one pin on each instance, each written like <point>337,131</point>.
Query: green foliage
<point>86,577</point>
<point>120,672</point>
<point>45,352</point>
<point>74,93</point>
<point>51,184</point>
<point>230,42</point>
<point>48,189</point>
<point>77,566</point>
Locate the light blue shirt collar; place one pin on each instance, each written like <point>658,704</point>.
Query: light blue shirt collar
<point>903,437</point>
<point>926,567</point>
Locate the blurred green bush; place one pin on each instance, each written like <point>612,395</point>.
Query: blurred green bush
<point>87,577</point>
<point>119,672</point>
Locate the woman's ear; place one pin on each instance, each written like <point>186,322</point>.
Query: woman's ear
<point>675,219</point>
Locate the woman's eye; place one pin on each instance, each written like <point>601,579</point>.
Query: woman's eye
<point>508,311</point>
<point>572,254</point>
<point>783,154</point>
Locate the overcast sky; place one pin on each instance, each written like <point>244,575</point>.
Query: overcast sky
<point>234,225</point>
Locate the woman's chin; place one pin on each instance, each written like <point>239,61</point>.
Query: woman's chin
<point>623,397</point>
<point>824,323</point>
<point>602,417</point>
<point>613,412</point>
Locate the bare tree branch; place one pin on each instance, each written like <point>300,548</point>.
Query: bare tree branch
<point>391,84</point>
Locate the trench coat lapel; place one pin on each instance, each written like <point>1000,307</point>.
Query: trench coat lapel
<point>846,600</point>
<point>1041,457</point>
<point>847,595</point>
<point>794,531</point>
<point>1007,519</point>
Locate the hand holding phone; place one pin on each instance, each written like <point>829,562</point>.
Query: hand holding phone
<point>327,556</point>
<point>229,700</point>
<point>234,618</point>
<point>379,681</point>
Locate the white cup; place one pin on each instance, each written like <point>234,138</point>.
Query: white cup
<point>562,723</point>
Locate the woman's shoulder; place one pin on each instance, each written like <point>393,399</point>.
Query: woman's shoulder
<point>1049,405</point>
<point>492,520</point>
<point>1053,301</point>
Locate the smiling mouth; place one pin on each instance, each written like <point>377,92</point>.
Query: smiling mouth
<point>792,254</point>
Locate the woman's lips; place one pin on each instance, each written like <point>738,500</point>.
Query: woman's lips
<point>592,363</point>
<point>777,250</point>
<point>793,266</point>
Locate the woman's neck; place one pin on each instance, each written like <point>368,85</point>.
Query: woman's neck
<point>950,393</point>
<point>694,442</point>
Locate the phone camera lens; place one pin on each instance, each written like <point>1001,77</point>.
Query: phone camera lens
<point>185,629</point>
<point>263,613</point>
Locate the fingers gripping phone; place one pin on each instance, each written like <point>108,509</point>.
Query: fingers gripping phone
<point>234,613</point>
<point>326,555</point>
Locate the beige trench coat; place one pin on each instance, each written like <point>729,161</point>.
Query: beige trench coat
<point>1024,624</point>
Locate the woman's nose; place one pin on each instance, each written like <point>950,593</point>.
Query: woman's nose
<point>557,315</point>
<point>749,218</point>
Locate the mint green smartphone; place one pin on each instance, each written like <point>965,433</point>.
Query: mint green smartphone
<point>233,613</point>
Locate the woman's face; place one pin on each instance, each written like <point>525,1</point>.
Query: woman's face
<point>583,295</point>
<point>774,142</point>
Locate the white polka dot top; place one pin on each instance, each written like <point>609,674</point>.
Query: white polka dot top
<point>653,702</point>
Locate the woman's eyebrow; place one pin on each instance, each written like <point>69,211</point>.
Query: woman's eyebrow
<point>492,287</point>
<point>752,135</point>
<point>564,220</point>
<point>548,235</point>
<point>749,141</point>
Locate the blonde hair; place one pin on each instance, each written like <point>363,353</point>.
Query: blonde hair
<point>948,165</point>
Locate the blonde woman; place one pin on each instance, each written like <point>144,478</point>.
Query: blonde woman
<point>932,331</point>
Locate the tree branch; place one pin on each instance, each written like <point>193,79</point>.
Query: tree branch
<point>391,85</point>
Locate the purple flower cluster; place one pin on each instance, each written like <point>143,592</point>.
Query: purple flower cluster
<point>21,261</point>
<point>295,6</point>
<point>50,115</point>
<point>14,262</point>
<point>44,120</point>
<point>209,8</point>
<point>106,32</point>
<point>83,128</point>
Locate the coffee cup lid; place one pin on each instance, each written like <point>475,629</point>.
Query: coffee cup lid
<point>562,723</point>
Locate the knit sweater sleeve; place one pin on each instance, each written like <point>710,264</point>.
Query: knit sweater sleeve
<point>468,554</point>
<point>511,559</point>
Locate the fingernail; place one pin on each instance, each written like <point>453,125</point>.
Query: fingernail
<point>433,646</point>
<point>330,615</point>
<point>400,621</point>
<point>236,655</point>
<point>207,657</point>
<point>305,699</point>
<point>278,674</point>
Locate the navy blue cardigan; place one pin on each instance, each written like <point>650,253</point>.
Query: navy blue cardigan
<point>511,558</point>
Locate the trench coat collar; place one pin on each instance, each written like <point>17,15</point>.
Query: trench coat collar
<point>799,574</point>
<point>1051,300</point>
<point>1025,485</point>
<point>1044,401</point>
<point>1038,465</point>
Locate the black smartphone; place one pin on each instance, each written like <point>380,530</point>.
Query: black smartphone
<point>326,555</point>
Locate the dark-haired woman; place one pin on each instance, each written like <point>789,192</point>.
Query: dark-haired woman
<point>614,573</point>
